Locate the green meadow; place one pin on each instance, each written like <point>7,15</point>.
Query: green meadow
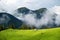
<point>40,34</point>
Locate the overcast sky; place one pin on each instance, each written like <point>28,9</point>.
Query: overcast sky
<point>31,4</point>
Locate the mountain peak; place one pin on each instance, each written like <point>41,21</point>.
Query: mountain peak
<point>41,10</point>
<point>23,10</point>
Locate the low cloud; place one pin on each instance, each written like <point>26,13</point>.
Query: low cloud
<point>30,19</point>
<point>49,18</point>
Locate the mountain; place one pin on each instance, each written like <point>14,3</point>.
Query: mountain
<point>39,13</point>
<point>41,10</point>
<point>7,20</point>
<point>26,10</point>
<point>23,10</point>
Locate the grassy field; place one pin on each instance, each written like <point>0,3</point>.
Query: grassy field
<point>43,34</point>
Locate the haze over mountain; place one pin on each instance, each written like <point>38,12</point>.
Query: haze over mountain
<point>37,18</point>
<point>40,18</point>
<point>7,20</point>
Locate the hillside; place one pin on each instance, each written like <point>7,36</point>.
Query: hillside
<point>43,34</point>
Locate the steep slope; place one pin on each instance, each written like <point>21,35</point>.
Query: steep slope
<point>40,12</point>
<point>23,10</point>
<point>6,19</point>
<point>39,16</point>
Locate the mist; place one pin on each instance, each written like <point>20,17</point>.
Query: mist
<point>30,18</point>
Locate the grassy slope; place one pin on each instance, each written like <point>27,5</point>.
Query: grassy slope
<point>44,34</point>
